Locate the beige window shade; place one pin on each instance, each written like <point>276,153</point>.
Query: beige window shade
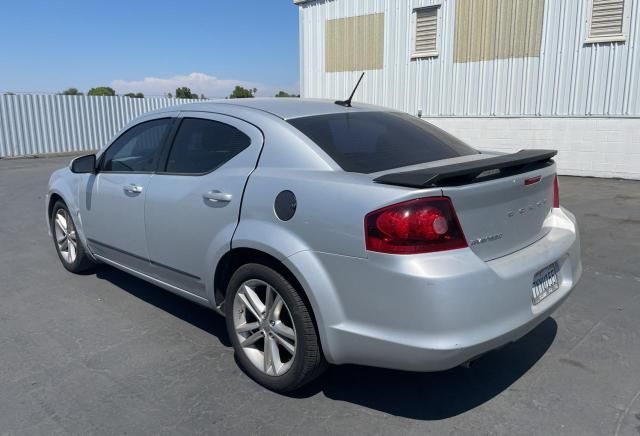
<point>354,43</point>
<point>606,19</point>
<point>426,32</point>
<point>497,29</point>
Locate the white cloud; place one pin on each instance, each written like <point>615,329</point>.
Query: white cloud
<point>199,83</point>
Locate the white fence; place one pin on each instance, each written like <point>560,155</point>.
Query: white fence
<point>40,124</point>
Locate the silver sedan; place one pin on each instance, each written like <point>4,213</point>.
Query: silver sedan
<point>325,233</point>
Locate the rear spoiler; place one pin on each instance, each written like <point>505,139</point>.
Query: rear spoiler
<point>468,172</point>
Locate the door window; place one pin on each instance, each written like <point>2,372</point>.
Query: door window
<point>201,146</point>
<point>137,149</point>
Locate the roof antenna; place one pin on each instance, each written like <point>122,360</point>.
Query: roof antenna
<point>347,102</point>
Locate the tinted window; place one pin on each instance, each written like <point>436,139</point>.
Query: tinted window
<point>367,142</point>
<point>137,149</point>
<point>203,145</point>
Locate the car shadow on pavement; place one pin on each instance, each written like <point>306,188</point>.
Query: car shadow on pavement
<point>199,316</point>
<point>437,395</point>
<point>424,396</point>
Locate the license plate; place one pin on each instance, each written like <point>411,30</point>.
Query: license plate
<point>545,282</point>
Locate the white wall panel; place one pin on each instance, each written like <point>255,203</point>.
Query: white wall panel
<point>602,147</point>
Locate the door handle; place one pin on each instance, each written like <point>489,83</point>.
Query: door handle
<point>217,196</point>
<point>132,188</point>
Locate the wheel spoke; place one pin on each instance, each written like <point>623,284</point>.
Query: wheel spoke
<point>252,339</point>
<point>247,304</point>
<point>285,331</point>
<point>72,250</point>
<point>268,299</point>
<point>285,344</point>
<point>247,327</point>
<point>65,218</point>
<point>276,308</point>
<point>268,358</point>
<point>61,223</point>
<point>254,300</point>
<point>274,355</point>
<point>61,239</point>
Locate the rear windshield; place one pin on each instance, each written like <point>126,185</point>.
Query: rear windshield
<point>367,142</point>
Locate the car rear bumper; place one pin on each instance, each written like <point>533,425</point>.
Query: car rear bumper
<point>434,311</point>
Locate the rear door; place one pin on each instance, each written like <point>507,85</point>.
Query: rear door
<point>112,201</point>
<point>193,202</point>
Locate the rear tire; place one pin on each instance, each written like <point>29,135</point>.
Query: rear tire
<point>271,329</point>
<point>68,245</point>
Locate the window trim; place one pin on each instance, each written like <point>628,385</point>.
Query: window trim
<point>414,25</point>
<point>589,39</point>
<point>163,161</point>
<point>103,154</point>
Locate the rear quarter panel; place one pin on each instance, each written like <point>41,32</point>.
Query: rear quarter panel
<point>331,203</point>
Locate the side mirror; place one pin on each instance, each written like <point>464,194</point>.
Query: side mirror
<point>84,164</point>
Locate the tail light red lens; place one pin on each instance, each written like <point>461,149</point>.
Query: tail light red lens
<point>423,225</point>
<point>556,193</point>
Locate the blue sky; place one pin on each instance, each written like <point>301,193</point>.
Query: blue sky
<point>149,46</point>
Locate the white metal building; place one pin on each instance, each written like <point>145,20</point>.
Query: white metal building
<point>500,74</point>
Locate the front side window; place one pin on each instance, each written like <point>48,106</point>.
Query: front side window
<point>138,149</point>
<point>368,142</point>
<point>202,146</point>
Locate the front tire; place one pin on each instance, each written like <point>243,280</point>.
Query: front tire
<point>271,329</point>
<point>70,250</point>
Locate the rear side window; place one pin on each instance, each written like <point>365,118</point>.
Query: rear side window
<point>202,146</point>
<point>368,142</point>
<point>137,149</point>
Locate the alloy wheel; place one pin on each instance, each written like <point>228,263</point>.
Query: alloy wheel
<point>264,327</point>
<point>66,237</point>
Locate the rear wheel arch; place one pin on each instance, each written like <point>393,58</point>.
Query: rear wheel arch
<point>237,257</point>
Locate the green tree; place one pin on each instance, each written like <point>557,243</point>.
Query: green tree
<point>102,90</point>
<point>134,95</point>
<point>202,97</point>
<point>240,92</point>
<point>169,95</point>
<point>286,94</point>
<point>185,92</point>
<point>71,91</point>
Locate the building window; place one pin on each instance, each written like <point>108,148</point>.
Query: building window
<point>607,17</point>
<point>426,36</point>
<point>486,30</point>
<point>354,43</point>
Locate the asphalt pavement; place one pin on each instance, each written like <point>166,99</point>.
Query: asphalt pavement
<point>106,353</point>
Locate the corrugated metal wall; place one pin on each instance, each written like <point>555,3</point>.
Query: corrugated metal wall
<point>568,78</point>
<point>36,124</point>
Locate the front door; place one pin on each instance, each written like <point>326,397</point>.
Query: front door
<point>193,203</point>
<point>112,201</point>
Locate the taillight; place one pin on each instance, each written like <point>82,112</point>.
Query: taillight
<point>423,225</point>
<point>556,193</point>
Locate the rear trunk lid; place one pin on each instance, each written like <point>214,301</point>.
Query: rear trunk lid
<point>501,201</point>
<point>504,215</point>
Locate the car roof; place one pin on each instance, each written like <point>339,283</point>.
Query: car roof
<point>285,108</point>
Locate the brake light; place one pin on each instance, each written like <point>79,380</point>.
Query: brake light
<point>423,225</point>
<point>556,193</point>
